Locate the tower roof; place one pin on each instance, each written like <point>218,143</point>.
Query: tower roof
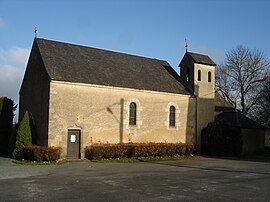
<point>198,58</point>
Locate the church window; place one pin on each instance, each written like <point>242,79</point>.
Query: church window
<point>172,116</point>
<point>199,75</point>
<point>209,76</point>
<point>187,75</point>
<point>132,113</point>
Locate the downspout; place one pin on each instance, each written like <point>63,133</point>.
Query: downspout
<point>196,120</point>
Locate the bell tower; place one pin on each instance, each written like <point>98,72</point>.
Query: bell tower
<point>197,73</point>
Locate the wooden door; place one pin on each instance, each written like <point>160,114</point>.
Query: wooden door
<point>74,144</point>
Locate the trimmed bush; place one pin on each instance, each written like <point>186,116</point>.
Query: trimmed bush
<point>106,151</point>
<point>23,136</point>
<point>136,150</point>
<point>39,153</point>
<point>221,139</point>
<point>7,107</point>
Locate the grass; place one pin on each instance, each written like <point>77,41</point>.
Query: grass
<point>112,160</point>
<point>167,158</point>
<point>142,159</point>
<point>24,162</point>
<point>116,160</point>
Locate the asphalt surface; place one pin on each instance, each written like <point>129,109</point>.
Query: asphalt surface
<point>197,179</point>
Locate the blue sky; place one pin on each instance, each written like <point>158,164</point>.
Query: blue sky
<point>152,28</point>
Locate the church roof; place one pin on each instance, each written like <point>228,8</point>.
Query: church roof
<point>81,64</point>
<point>200,58</point>
<point>221,104</point>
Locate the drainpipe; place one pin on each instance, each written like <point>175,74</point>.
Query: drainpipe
<point>196,120</point>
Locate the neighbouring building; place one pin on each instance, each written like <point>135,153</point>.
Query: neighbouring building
<point>80,95</point>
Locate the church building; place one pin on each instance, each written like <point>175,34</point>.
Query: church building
<point>79,96</point>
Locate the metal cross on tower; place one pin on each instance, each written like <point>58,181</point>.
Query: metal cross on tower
<point>35,32</point>
<point>186,43</point>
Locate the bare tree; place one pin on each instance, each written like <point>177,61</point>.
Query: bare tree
<point>240,79</point>
<point>261,111</point>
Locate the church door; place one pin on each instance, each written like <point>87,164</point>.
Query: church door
<point>74,144</point>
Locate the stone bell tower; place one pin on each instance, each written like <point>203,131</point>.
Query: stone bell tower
<point>197,73</point>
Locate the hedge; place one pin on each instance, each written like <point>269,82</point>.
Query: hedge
<point>136,150</point>
<point>39,153</point>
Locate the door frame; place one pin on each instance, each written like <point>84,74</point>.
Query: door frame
<point>80,141</point>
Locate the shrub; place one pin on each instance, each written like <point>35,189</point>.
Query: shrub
<point>7,107</point>
<point>136,150</point>
<point>105,151</point>
<point>39,153</point>
<point>221,139</point>
<point>23,136</point>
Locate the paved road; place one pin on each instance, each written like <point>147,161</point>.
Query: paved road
<point>199,179</point>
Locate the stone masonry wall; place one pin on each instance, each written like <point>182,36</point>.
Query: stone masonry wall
<point>102,115</point>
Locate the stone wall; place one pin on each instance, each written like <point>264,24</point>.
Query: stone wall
<point>34,95</point>
<point>102,115</point>
<point>205,92</point>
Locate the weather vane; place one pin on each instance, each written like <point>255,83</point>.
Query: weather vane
<point>35,32</point>
<point>186,43</point>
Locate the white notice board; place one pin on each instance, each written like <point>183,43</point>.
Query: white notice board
<point>73,138</point>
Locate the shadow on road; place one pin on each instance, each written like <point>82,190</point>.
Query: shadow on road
<point>213,168</point>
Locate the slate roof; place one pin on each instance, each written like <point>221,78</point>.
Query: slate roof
<point>200,58</point>
<point>81,64</point>
<point>237,118</point>
<point>221,104</point>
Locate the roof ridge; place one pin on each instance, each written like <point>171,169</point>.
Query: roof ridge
<point>197,53</point>
<point>101,49</point>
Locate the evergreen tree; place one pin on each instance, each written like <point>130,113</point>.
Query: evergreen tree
<point>7,107</point>
<point>23,136</point>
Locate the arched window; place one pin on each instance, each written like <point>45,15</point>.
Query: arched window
<point>187,75</point>
<point>199,75</point>
<point>132,113</point>
<point>209,76</point>
<point>172,116</point>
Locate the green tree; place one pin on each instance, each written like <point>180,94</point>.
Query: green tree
<point>24,133</point>
<point>7,108</point>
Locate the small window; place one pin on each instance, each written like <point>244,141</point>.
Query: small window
<point>199,75</point>
<point>132,113</point>
<point>172,116</point>
<point>187,75</point>
<point>209,76</point>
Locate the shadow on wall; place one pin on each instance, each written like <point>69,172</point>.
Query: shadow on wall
<point>120,121</point>
<point>191,122</point>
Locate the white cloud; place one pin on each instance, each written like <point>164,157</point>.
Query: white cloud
<point>12,67</point>
<point>15,56</point>
<point>2,23</point>
<point>10,80</point>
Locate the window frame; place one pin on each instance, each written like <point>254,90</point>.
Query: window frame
<point>132,114</point>
<point>199,75</point>
<point>209,77</point>
<point>172,116</point>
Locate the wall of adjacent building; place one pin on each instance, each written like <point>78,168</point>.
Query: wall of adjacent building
<point>253,140</point>
<point>102,115</point>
